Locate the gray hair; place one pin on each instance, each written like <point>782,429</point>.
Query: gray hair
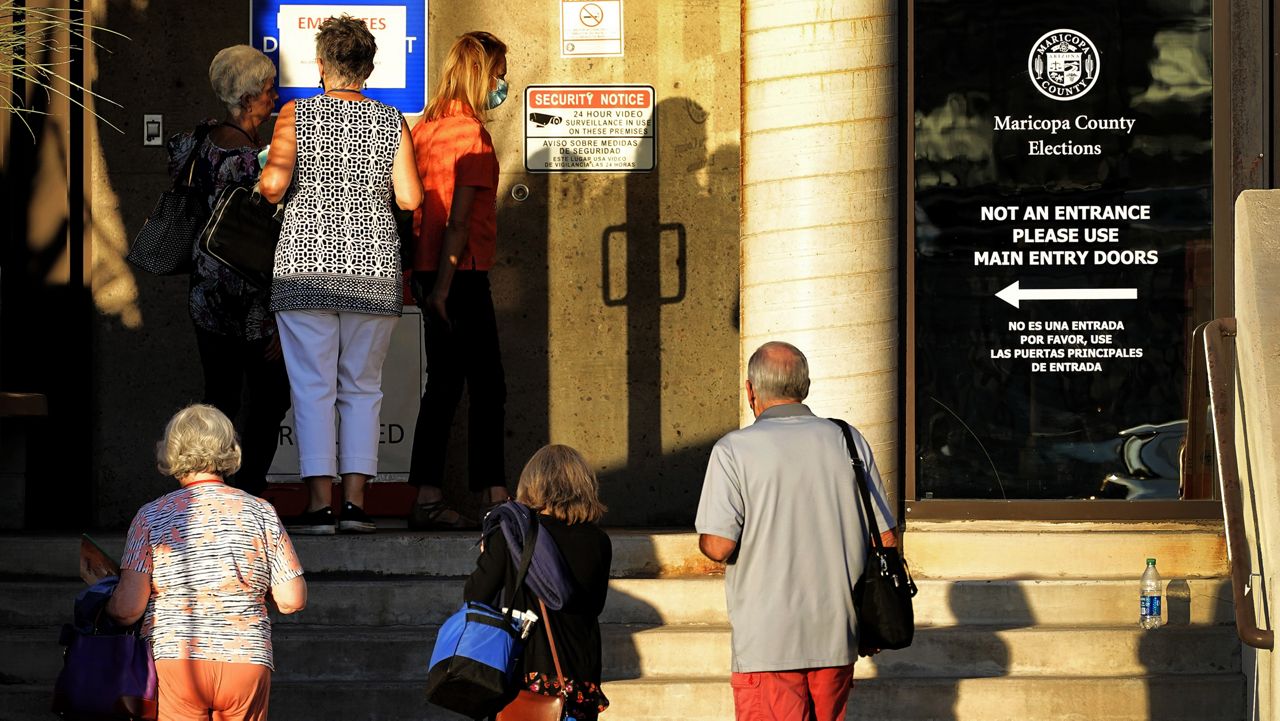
<point>237,73</point>
<point>347,48</point>
<point>779,371</point>
<point>198,439</point>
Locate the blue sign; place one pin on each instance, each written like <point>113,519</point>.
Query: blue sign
<point>286,33</point>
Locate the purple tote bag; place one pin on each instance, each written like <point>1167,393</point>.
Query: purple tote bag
<point>105,677</point>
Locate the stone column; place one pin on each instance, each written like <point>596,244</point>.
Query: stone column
<point>820,202</point>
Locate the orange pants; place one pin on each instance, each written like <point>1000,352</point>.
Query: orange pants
<point>814,694</point>
<point>201,690</point>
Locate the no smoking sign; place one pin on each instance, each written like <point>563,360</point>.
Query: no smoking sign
<point>590,29</point>
<point>591,15</point>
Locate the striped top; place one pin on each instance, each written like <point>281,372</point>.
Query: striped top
<point>213,552</point>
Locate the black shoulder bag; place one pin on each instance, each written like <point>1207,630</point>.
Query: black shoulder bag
<point>882,597</point>
<point>242,234</point>
<point>164,244</point>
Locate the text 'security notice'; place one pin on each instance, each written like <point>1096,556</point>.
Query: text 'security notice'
<point>590,128</point>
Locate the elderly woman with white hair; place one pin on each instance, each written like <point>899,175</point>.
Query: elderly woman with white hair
<point>235,333</point>
<point>201,562</point>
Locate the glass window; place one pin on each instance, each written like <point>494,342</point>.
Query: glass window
<point>1062,202</point>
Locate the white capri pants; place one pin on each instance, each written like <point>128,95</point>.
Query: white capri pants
<point>334,360</point>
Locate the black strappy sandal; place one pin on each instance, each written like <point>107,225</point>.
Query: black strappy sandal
<point>430,517</point>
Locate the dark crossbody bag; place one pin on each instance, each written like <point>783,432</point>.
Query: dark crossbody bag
<point>882,597</point>
<point>164,244</point>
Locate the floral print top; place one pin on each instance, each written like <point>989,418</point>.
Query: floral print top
<point>213,552</point>
<point>583,700</point>
<point>221,301</point>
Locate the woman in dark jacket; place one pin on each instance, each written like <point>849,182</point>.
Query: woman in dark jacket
<point>558,484</point>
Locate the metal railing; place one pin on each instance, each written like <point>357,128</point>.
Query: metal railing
<point>1220,357</point>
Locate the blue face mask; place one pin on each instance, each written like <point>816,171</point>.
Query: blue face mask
<point>496,97</point>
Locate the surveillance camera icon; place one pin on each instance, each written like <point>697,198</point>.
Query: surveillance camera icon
<point>542,120</point>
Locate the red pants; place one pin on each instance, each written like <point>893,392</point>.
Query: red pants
<point>813,694</point>
<point>190,690</point>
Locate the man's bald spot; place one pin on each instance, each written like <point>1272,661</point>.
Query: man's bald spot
<point>779,371</point>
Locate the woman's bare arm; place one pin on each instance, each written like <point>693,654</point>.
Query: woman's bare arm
<point>282,157</point>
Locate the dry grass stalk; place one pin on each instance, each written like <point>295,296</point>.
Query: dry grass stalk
<point>31,40</point>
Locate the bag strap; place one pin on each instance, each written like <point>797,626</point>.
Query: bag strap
<point>252,140</point>
<point>525,557</point>
<point>133,629</point>
<point>860,476</point>
<point>189,168</point>
<point>551,641</point>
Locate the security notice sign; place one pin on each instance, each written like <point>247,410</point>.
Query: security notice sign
<point>591,29</point>
<point>589,128</point>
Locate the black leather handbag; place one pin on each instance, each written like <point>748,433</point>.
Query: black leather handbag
<point>242,234</point>
<point>882,597</point>
<point>164,244</point>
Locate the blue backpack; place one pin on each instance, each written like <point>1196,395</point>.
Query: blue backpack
<point>473,662</point>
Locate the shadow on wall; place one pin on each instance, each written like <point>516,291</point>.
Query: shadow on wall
<point>671,265</point>
<point>46,314</point>
<point>664,263</point>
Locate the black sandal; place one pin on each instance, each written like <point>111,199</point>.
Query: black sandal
<point>430,517</point>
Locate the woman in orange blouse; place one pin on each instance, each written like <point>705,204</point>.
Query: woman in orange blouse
<point>200,562</point>
<point>457,233</point>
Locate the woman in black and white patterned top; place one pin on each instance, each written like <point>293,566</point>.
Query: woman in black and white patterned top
<point>336,291</point>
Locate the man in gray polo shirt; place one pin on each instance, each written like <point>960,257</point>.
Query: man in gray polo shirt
<point>780,506</point>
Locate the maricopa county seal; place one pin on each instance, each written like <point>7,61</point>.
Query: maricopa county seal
<point>1063,64</point>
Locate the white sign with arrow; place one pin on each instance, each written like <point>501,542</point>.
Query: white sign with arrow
<point>1014,294</point>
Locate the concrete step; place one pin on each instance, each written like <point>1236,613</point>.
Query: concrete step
<point>664,652</point>
<point>327,653</point>
<point>1093,551</point>
<point>699,600</point>
<point>1196,698</point>
<point>1007,603</point>
<point>941,550</point>
<point>636,554</point>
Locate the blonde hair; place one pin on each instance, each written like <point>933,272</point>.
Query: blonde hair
<point>198,439</point>
<point>558,480</point>
<point>466,75</point>
<point>238,73</point>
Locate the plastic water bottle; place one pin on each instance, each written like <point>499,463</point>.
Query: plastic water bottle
<point>1150,601</point>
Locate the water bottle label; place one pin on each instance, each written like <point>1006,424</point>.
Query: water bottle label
<point>1151,606</point>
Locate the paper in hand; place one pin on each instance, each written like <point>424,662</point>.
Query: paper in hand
<point>95,563</point>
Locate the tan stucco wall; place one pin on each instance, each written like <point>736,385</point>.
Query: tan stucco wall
<point>1257,299</point>
<point>643,388</point>
<point>820,203</point>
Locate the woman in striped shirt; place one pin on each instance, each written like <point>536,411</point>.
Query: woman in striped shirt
<point>201,562</point>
